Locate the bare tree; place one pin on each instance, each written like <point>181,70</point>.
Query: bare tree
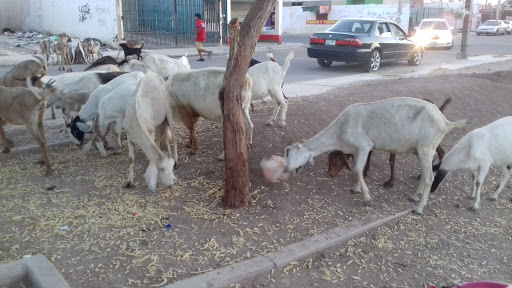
<point>242,44</point>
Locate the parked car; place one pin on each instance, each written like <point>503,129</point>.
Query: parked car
<point>365,41</point>
<point>508,23</point>
<point>492,27</point>
<point>434,32</point>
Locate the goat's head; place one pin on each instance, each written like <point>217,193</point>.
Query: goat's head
<point>76,130</point>
<point>297,156</point>
<point>163,171</point>
<point>337,161</point>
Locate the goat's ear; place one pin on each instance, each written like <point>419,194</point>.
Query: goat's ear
<point>186,53</point>
<point>83,127</point>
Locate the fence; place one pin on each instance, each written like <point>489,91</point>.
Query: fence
<point>418,14</point>
<point>170,23</point>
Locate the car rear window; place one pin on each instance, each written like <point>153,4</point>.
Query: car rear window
<point>491,23</point>
<point>506,22</point>
<point>434,25</point>
<point>352,26</point>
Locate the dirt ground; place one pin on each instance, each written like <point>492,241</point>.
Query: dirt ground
<point>118,237</point>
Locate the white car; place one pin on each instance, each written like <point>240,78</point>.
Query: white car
<point>509,25</point>
<point>492,27</point>
<point>434,32</point>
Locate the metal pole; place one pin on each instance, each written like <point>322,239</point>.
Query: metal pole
<point>465,30</point>
<point>399,12</point>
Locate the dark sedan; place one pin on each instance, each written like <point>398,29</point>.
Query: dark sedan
<point>365,41</point>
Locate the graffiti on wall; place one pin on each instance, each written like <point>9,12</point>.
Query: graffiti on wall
<point>102,16</point>
<point>85,12</point>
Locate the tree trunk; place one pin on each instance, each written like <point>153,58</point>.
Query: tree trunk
<point>242,45</point>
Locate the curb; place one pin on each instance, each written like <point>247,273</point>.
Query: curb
<point>228,275</point>
<point>38,270</point>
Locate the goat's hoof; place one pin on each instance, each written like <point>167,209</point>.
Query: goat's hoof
<point>270,123</point>
<point>282,123</point>
<point>413,198</point>
<point>470,197</point>
<point>192,152</point>
<point>387,185</point>
<point>417,211</point>
<point>354,191</point>
<point>473,209</point>
<point>492,199</point>
<point>129,185</point>
<point>10,143</point>
<point>368,203</point>
<point>49,172</point>
<point>6,150</point>
<point>188,146</point>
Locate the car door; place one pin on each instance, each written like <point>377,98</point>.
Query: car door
<point>386,41</point>
<point>404,46</point>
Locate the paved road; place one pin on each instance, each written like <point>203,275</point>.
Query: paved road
<point>305,68</point>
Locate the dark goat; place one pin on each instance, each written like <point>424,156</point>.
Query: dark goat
<point>106,60</point>
<point>338,160</point>
<point>128,51</point>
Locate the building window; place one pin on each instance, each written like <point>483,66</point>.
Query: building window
<point>297,3</point>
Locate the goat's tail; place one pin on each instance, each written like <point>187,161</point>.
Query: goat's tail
<point>458,124</point>
<point>271,56</point>
<point>44,65</point>
<point>445,104</point>
<point>287,62</point>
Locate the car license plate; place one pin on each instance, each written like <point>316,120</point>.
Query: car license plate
<point>330,42</point>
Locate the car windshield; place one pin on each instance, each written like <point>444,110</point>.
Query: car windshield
<point>352,26</point>
<point>434,25</point>
<point>506,22</point>
<point>491,23</point>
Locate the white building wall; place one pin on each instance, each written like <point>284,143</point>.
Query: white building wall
<point>77,18</point>
<point>294,19</point>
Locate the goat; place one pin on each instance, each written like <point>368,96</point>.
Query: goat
<point>130,47</point>
<point>46,49</point>
<point>16,77</point>
<point>91,48</point>
<point>194,94</point>
<point>267,78</point>
<point>63,53</point>
<point>145,115</point>
<point>477,151</point>
<point>337,160</point>
<point>164,66</point>
<point>393,125</point>
<point>23,106</point>
<point>84,86</point>
<point>90,110</point>
<point>106,60</point>
<point>111,108</point>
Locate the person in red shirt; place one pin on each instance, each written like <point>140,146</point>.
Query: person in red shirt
<point>201,37</point>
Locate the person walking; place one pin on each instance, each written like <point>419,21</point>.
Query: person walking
<point>201,37</point>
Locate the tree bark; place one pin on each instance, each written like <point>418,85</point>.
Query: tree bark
<point>242,45</point>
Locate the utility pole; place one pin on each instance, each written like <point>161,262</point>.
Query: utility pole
<point>465,30</point>
<point>399,12</point>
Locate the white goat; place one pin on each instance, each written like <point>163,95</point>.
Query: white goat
<point>91,47</point>
<point>111,109</point>
<point>394,125</point>
<point>162,65</point>
<point>194,94</point>
<point>24,106</point>
<point>146,113</point>
<point>267,79</point>
<point>477,151</point>
<point>90,110</point>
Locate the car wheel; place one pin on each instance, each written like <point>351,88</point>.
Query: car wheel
<point>324,63</point>
<point>373,62</point>
<point>416,57</point>
<point>449,47</point>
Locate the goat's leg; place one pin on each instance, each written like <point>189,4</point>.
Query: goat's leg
<point>389,184</point>
<point>482,173</point>
<point>131,160</point>
<point>118,130</point>
<point>249,126</point>
<point>172,126</point>
<point>425,156</point>
<point>474,176</point>
<point>37,132</point>
<point>53,112</point>
<point>275,111</point>
<point>505,175</point>
<point>5,141</point>
<point>440,153</point>
<point>191,125</point>
<point>284,106</point>
<point>360,160</point>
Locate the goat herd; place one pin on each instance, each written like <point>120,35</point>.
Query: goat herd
<point>147,106</point>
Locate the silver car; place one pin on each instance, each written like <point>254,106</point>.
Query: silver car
<point>509,25</point>
<point>492,27</point>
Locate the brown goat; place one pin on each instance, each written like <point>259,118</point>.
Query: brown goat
<point>23,106</point>
<point>338,160</point>
<point>63,53</point>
